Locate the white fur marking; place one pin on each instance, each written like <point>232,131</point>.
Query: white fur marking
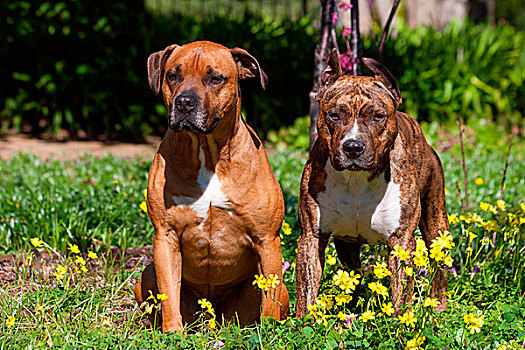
<point>351,206</point>
<point>212,194</point>
<point>354,133</point>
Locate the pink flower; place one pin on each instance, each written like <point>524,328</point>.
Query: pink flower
<point>345,6</point>
<point>350,318</point>
<point>347,31</point>
<point>334,17</point>
<point>219,344</point>
<point>346,62</point>
<point>286,266</point>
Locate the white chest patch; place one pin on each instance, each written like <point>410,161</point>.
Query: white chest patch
<point>212,194</point>
<point>351,206</point>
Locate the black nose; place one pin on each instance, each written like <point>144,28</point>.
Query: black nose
<point>185,103</point>
<point>353,149</point>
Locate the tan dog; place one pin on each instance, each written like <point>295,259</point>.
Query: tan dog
<point>371,177</point>
<point>213,199</point>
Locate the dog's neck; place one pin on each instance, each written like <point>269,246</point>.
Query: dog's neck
<point>216,145</point>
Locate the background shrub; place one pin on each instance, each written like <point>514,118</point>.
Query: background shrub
<point>80,66</point>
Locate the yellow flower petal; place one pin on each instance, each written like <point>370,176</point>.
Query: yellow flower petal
<point>73,248</point>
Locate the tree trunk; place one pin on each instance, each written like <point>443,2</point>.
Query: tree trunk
<point>321,51</point>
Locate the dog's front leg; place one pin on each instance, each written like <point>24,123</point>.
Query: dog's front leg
<point>270,262</point>
<point>402,285</point>
<point>168,268</point>
<point>310,255</point>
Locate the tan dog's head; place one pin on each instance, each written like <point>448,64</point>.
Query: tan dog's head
<point>200,82</point>
<point>357,116</point>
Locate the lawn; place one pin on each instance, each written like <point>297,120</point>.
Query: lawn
<point>71,286</point>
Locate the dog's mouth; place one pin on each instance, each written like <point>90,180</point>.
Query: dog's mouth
<point>194,124</point>
<point>342,163</point>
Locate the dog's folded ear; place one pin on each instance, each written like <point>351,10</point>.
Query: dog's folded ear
<point>156,65</point>
<point>331,73</point>
<point>248,66</point>
<point>385,77</point>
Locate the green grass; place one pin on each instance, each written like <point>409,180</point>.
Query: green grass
<point>95,203</point>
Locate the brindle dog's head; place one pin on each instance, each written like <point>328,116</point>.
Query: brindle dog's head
<point>199,82</point>
<point>357,117</point>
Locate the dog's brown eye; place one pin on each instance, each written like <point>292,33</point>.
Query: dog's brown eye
<point>171,77</point>
<point>216,80</point>
<point>379,118</point>
<point>334,116</point>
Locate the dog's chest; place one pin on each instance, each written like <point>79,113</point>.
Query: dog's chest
<point>212,194</point>
<point>353,208</point>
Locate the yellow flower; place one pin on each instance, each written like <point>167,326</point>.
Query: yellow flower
<point>420,259</point>
<point>80,260</point>
<point>431,302</point>
<point>287,230</point>
<point>318,314</point>
<point>39,308</point>
<point>272,281</point>
<point>487,207</point>
<point>437,254</point>
<point>378,288</point>
<point>163,296</point>
<point>415,344</point>
<point>330,259</point>
<point>387,309</point>
<point>479,181</point>
<point>346,281</point>
<point>28,259</point>
<point>144,207</point>
<point>83,269</point>
<point>448,261</point>
<point>10,321</point>
<point>473,322</point>
<point>260,282</point>
<point>205,305</point>
<point>502,206</point>
<point>453,219</point>
<point>342,316</point>
<point>408,318</point>
<point>73,248</point>
<point>212,324</point>
<point>492,225</point>
<point>421,245</point>
<point>381,270</point>
<point>443,240</point>
<point>149,309</point>
<point>471,237</point>
<point>325,302</point>
<point>60,272</point>
<point>37,242</point>
<point>399,252</point>
<point>92,255</point>
<point>409,271</point>
<point>115,182</point>
<point>146,194</point>
<point>367,316</point>
<point>420,255</point>
<point>342,299</point>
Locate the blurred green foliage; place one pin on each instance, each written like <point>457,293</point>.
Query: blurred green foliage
<point>467,70</point>
<point>80,65</point>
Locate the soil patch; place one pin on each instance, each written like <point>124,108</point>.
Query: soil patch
<point>11,145</point>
